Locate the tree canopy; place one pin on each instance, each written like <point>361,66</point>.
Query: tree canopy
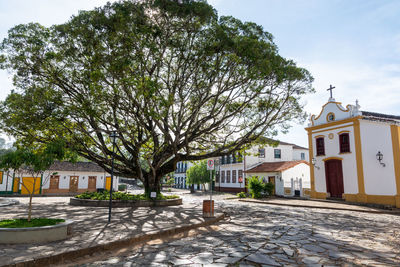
<point>175,80</point>
<point>198,174</point>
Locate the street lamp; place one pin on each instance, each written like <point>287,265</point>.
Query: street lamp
<point>113,135</point>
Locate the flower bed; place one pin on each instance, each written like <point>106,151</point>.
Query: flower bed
<point>105,195</point>
<point>122,199</point>
<point>23,223</point>
<point>18,235</point>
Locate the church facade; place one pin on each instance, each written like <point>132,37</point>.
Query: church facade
<point>355,155</point>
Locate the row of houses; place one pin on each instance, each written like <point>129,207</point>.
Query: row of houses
<point>62,178</point>
<point>354,155</point>
<point>284,165</point>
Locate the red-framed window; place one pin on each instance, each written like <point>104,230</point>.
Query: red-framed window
<point>344,142</point>
<point>320,146</point>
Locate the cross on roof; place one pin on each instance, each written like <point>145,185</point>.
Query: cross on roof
<point>330,89</point>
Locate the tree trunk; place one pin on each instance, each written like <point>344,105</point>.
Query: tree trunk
<point>151,184</point>
<point>192,188</point>
<point>30,207</point>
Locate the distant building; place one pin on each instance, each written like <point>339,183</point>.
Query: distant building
<point>180,175</point>
<point>234,169</point>
<point>355,155</point>
<point>70,178</point>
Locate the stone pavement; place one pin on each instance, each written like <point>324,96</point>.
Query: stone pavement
<point>324,204</point>
<point>91,228</point>
<point>264,235</point>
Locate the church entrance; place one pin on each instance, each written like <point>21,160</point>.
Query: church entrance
<point>334,178</point>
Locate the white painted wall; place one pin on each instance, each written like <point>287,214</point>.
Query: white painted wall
<point>231,167</point>
<point>83,179</point>
<point>6,184</point>
<point>297,154</point>
<point>332,149</point>
<point>340,112</point>
<point>378,180</point>
<point>302,171</point>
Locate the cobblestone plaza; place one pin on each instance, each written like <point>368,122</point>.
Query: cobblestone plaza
<point>252,234</point>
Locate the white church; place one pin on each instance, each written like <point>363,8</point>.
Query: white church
<point>355,154</point>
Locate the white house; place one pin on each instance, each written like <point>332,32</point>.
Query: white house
<point>231,175</point>
<point>69,178</point>
<point>180,174</point>
<point>291,178</point>
<point>355,154</point>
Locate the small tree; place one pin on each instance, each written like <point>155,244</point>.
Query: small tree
<point>258,187</point>
<point>198,174</point>
<point>23,161</point>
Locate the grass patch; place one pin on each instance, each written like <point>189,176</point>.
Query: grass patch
<point>22,223</point>
<point>105,195</point>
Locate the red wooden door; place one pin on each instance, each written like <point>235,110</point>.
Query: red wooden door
<point>334,177</point>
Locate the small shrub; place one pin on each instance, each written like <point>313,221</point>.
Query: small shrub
<point>256,187</point>
<point>241,194</point>
<point>268,188</point>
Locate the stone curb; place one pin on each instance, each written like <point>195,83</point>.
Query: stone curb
<point>70,255</point>
<point>327,208</point>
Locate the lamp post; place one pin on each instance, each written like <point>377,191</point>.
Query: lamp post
<point>113,135</point>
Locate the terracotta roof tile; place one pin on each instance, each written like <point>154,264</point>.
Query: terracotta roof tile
<point>276,166</point>
<point>76,166</point>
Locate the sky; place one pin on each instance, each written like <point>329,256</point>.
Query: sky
<point>352,44</point>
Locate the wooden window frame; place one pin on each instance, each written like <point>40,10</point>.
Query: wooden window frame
<point>275,154</point>
<point>261,152</point>
<point>320,150</point>
<point>234,176</point>
<point>343,147</point>
<point>222,176</point>
<point>228,177</point>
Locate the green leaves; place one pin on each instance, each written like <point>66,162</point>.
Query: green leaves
<point>175,80</point>
<point>35,161</point>
<point>198,174</point>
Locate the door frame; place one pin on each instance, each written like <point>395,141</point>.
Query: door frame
<point>328,187</point>
<point>95,182</point>
<point>269,181</point>
<point>58,182</point>
<point>77,183</point>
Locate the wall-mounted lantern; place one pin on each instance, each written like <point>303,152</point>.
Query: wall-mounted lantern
<point>379,157</point>
<point>313,162</point>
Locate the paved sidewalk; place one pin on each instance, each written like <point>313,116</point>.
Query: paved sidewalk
<point>91,228</point>
<point>329,205</point>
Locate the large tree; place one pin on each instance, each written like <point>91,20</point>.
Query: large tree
<point>176,82</point>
